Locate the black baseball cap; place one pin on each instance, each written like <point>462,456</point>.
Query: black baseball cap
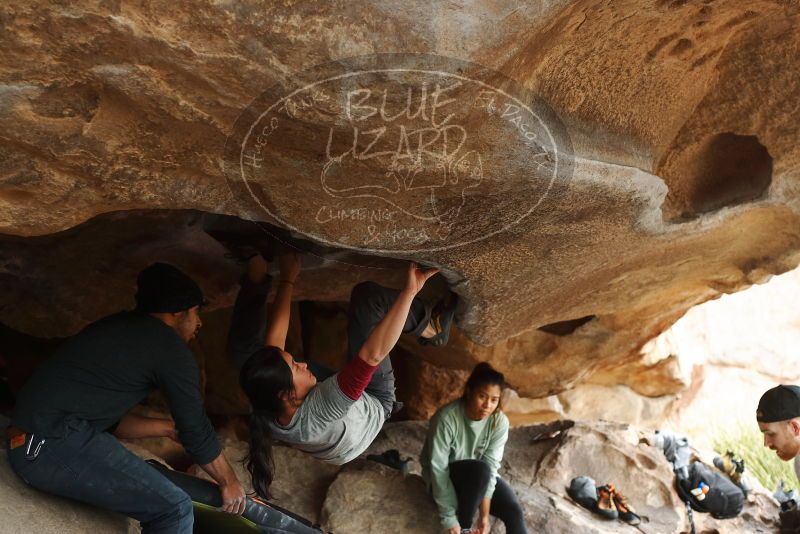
<point>780,403</point>
<point>163,288</point>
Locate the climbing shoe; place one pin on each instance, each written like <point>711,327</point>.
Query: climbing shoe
<point>241,247</point>
<point>625,510</point>
<point>733,466</point>
<point>441,320</point>
<point>583,490</point>
<point>391,458</point>
<point>605,502</point>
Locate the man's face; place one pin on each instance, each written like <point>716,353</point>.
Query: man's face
<point>302,379</point>
<point>783,437</point>
<point>188,323</point>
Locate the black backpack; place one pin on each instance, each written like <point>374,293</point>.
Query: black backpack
<point>724,498</point>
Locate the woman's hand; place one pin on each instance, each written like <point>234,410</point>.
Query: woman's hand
<point>416,277</point>
<point>453,530</point>
<point>289,264</point>
<point>483,526</point>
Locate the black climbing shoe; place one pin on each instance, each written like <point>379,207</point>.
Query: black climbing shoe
<point>583,490</point>
<point>441,320</point>
<point>625,510</point>
<point>733,466</point>
<point>392,459</point>
<point>396,407</point>
<point>241,247</point>
<point>605,502</point>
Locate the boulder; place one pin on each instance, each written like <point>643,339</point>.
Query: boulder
<point>679,180</point>
<point>366,497</point>
<point>25,509</point>
<point>369,497</point>
<point>590,402</point>
<point>300,482</point>
<point>540,461</point>
<point>407,437</point>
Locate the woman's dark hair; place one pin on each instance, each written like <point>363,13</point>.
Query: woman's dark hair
<point>264,376</point>
<point>483,374</point>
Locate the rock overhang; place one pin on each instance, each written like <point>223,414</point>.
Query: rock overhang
<point>123,108</point>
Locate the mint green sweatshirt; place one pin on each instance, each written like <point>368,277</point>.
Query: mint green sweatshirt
<point>453,436</point>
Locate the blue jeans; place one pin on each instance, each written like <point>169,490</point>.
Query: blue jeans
<point>93,467</point>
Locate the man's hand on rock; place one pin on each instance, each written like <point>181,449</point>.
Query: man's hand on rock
<point>233,498</point>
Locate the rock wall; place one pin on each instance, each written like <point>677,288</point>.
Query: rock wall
<point>682,184</point>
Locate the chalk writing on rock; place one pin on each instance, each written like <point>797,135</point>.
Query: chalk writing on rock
<point>399,153</point>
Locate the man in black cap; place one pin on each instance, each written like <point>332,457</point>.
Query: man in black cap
<point>778,416</point>
<point>61,437</point>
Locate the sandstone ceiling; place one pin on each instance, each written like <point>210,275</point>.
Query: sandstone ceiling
<point>681,118</point>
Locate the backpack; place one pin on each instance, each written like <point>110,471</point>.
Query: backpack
<point>724,498</point>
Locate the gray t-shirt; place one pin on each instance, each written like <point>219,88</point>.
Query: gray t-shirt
<point>331,426</point>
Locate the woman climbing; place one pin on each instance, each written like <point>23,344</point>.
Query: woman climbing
<point>462,454</point>
<point>336,419</point>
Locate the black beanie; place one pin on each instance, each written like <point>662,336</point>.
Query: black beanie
<point>780,403</point>
<point>162,288</point>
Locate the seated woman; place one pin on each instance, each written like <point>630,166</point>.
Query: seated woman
<point>337,419</point>
<point>462,454</point>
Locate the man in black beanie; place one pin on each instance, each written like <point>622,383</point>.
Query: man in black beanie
<point>778,416</point>
<point>168,294</point>
<point>61,437</point>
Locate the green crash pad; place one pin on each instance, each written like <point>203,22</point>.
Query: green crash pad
<point>209,520</point>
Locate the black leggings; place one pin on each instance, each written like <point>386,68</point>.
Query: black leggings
<point>470,479</point>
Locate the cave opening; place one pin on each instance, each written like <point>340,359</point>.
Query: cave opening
<point>567,327</point>
<point>51,286</point>
<point>723,170</point>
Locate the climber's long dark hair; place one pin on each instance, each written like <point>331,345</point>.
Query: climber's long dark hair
<point>264,377</point>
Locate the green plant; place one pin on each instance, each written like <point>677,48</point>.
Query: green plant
<point>761,463</point>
